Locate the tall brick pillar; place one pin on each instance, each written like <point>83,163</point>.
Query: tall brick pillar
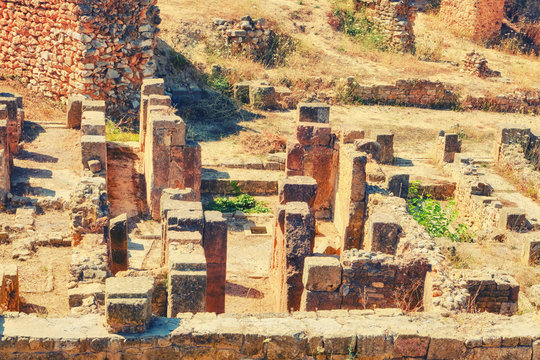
<point>294,240</point>
<point>215,250</point>
<point>148,87</point>
<point>314,154</point>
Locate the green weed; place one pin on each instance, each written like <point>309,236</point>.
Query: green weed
<point>116,133</point>
<point>242,202</point>
<point>438,220</point>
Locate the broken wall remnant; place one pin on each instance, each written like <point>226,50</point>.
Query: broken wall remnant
<point>350,206</point>
<point>479,20</point>
<point>492,292</point>
<point>169,160</point>
<point>477,64</point>
<point>294,236</point>
<point>447,147</point>
<point>395,20</point>
<point>315,154</point>
<point>94,48</point>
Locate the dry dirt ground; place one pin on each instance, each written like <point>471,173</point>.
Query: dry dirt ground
<point>325,53</point>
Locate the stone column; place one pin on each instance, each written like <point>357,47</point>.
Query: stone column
<point>387,148</point>
<point>350,203</point>
<point>74,114</point>
<point>148,87</point>
<point>118,244</point>
<point>9,288</point>
<point>447,146</point>
<point>215,250</point>
<point>295,234</point>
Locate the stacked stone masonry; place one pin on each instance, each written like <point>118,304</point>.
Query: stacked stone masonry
<point>478,19</point>
<point>369,334</point>
<point>11,124</point>
<point>99,49</point>
<point>169,160</point>
<point>395,20</point>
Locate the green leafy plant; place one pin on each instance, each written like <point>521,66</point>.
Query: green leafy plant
<point>178,60</point>
<point>358,26</point>
<point>241,202</point>
<point>438,220</point>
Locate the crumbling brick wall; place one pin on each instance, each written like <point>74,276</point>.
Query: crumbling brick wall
<point>101,49</point>
<point>478,19</point>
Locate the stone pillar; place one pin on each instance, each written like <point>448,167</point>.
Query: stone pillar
<point>215,250</point>
<point>94,147</point>
<point>12,126</point>
<point>163,133</point>
<point>148,87</point>
<point>118,244</point>
<point>9,288</point>
<point>297,189</point>
<point>128,304</point>
<point>530,253</point>
<point>386,141</point>
<point>94,105</point>
<point>295,233</point>
<point>74,113</point>
<point>350,203</point>
<point>5,157</point>
<point>314,154</point>
<point>93,123</point>
<point>321,279</point>
<point>382,233</point>
<point>187,279</point>
<point>447,146</point>
<point>398,185</point>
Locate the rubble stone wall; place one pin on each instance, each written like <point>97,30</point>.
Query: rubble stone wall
<point>395,19</point>
<point>101,49</point>
<point>477,19</point>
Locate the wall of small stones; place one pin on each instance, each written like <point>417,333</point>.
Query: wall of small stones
<point>478,19</point>
<point>101,49</point>
<point>420,93</point>
<point>395,19</point>
<point>526,101</point>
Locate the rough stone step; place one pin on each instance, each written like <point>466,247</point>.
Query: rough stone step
<point>253,182</point>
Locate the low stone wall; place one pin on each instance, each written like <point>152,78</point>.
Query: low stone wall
<point>252,36</point>
<point>526,101</point>
<point>341,334</point>
<point>478,19</point>
<point>420,93</point>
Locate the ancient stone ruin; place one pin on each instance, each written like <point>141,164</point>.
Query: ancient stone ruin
<point>119,250</point>
<point>478,19</point>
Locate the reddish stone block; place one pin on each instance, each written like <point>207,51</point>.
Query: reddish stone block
<point>295,157</point>
<point>315,134</point>
<point>320,300</point>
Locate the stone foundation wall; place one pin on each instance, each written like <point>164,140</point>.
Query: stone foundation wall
<point>478,19</point>
<point>101,49</point>
<point>526,101</point>
<point>379,334</point>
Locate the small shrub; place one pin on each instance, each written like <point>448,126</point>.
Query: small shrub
<point>436,219</point>
<point>218,82</point>
<point>242,202</point>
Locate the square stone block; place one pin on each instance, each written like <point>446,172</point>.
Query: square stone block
<point>186,258</point>
<point>322,273</point>
<point>187,292</point>
<point>153,87</point>
<point>74,113</point>
<point>94,147</point>
<point>128,315</point>
<point>314,112</point>
<point>320,300</point>
<point>93,123</point>
<point>94,105</point>
<point>129,287</point>
<point>297,188</point>
<point>512,219</point>
<point>314,134</point>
